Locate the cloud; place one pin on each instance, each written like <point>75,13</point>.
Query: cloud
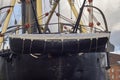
<point>115,31</point>
<point>4,2</point>
<point>111,9</point>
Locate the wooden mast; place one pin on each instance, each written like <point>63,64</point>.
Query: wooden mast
<point>39,11</point>
<point>51,14</point>
<point>75,12</point>
<point>6,23</point>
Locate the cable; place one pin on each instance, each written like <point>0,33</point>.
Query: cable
<point>34,13</point>
<point>3,19</point>
<point>6,7</point>
<point>79,18</point>
<point>65,18</point>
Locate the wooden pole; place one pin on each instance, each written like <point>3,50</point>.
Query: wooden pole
<point>6,22</point>
<point>39,11</point>
<point>75,12</point>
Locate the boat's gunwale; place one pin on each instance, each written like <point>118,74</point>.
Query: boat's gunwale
<point>61,36</point>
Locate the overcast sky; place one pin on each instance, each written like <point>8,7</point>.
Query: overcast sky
<point>111,9</point>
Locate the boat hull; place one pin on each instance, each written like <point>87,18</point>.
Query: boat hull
<point>56,57</point>
<point>85,66</point>
<point>54,43</point>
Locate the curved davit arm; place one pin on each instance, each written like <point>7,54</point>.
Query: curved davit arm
<point>104,19</point>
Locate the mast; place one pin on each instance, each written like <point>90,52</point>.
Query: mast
<point>59,29</point>
<point>29,18</point>
<point>51,14</point>
<point>79,18</point>
<point>75,12</point>
<point>39,11</point>
<point>6,23</point>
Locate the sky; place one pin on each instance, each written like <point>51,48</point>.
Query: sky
<point>111,9</point>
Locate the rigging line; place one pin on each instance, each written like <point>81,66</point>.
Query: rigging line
<point>102,14</point>
<point>79,5</point>
<point>44,24</point>
<point>38,19</point>
<point>13,26</point>
<point>5,7</point>
<point>66,19</point>
<point>79,18</point>
<point>18,28</point>
<point>34,13</point>
<point>49,24</point>
<point>59,23</point>
<point>97,22</point>
<point>3,19</point>
<point>14,17</point>
<point>93,27</point>
<point>71,9</point>
<point>59,30</point>
<point>12,31</point>
<point>84,16</point>
<point>44,9</point>
<point>98,29</point>
<point>42,16</point>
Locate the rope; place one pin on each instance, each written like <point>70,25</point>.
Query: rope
<point>65,18</point>
<point>6,7</point>
<point>79,18</point>
<point>3,18</point>
<point>42,16</point>
<point>15,18</point>
<point>34,13</point>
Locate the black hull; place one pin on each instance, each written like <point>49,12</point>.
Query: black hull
<point>59,57</point>
<point>73,67</point>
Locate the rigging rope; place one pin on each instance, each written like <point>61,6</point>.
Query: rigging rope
<point>34,13</point>
<point>4,17</point>
<point>65,18</point>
